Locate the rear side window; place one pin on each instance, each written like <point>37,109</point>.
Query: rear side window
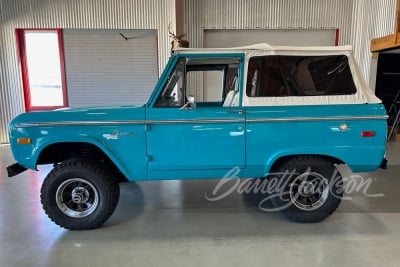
<point>280,76</point>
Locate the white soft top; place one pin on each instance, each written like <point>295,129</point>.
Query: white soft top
<point>363,95</point>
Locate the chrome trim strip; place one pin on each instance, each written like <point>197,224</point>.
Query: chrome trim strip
<point>338,118</point>
<point>195,121</point>
<point>110,123</point>
<point>77,123</point>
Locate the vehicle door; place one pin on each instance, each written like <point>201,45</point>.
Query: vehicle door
<point>196,122</point>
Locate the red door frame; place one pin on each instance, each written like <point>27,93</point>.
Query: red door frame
<point>21,45</point>
<point>337,31</point>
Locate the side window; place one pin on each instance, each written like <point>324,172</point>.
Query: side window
<point>210,89</point>
<point>173,92</point>
<point>279,76</point>
<point>210,82</point>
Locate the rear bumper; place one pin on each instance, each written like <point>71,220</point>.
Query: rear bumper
<point>384,164</point>
<point>15,169</point>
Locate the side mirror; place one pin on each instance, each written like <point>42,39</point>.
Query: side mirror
<point>190,104</point>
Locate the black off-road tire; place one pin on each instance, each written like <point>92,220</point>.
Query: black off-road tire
<point>291,199</point>
<point>79,175</point>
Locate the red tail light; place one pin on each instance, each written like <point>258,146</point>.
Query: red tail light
<point>367,133</point>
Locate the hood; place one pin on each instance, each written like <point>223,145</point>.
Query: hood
<point>83,114</point>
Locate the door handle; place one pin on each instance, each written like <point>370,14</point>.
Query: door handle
<point>239,111</point>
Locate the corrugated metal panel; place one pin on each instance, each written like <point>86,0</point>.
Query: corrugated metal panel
<point>11,100</point>
<point>267,14</point>
<point>371,19</point>
<point>72,14</point>
<point>98,75</point>
<point>226,38</point>
<point>359,21</point>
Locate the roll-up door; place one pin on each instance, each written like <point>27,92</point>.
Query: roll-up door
<point>296,37</point>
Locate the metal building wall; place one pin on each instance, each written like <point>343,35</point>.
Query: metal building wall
<point>71,14</point>
<point>359,21</point>
<point>371,19</point>
<point>267,14</point>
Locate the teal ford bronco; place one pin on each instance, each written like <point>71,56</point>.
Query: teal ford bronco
<point>263,110</point>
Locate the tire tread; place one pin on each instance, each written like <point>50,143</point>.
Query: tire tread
<point>111,197</point>
<point>292,163</point>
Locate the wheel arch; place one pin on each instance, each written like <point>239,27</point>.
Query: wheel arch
<point>274,164</point>
<point>56,152</point>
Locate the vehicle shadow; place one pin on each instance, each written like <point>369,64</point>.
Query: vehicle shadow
<point>130,204</point>
<point>256,198</point>
<point>175,210</point>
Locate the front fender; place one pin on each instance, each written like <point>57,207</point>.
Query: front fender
<point>101,145</point>
<point>123,144</point>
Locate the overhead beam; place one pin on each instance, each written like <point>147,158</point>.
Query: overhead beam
<point>389,41</point>
<point>180,17</point>
<point>384,43</point>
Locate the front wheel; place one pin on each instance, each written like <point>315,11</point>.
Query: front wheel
<point>312,189</point>
<point>79,195</point>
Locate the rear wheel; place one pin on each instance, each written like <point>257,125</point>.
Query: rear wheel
<point>312,189</point>
<point>79,194</point>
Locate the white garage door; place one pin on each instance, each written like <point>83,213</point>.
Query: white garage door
<point>103,68</point>
<point>232,38</point>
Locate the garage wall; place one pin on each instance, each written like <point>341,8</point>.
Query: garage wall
<point>359,21</point>
<point>370,19</point>
<point>229,38</point>
<point>72,14</point>
<point>272,14</point>
<point>98,75</point>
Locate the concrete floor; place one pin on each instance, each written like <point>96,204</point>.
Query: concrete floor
<point>170,223</point>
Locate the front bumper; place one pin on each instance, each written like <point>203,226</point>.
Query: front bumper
<point>15,169</point>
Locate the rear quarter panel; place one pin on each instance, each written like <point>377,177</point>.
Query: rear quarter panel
<point>275,132</point>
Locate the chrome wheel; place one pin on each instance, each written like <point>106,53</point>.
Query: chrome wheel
<point>309,191</point>
<point>312,191</point>
<point>77,198</point>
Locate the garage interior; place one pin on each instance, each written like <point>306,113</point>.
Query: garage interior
<point>124,45</point>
